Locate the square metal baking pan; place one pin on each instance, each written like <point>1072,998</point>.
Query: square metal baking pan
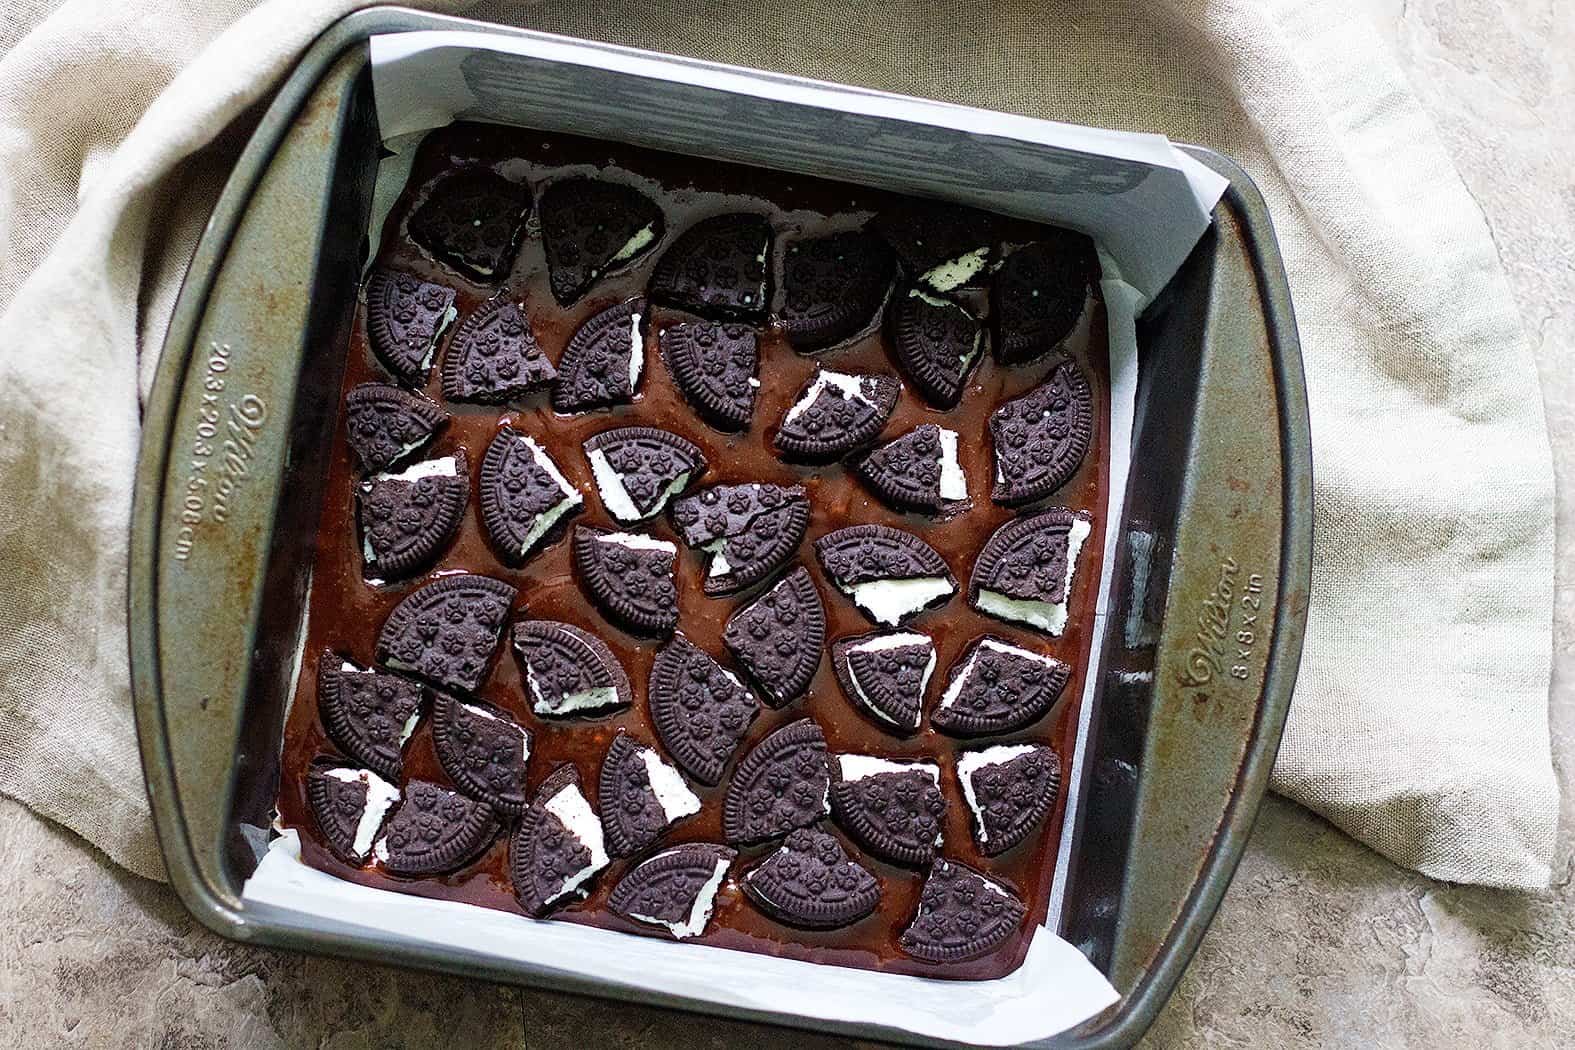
<point>1208,608</point>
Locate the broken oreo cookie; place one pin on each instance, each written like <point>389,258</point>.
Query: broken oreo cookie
<point>885,674</point>
<point>998,687</point>
<point>434,831</point>
<point>349,805</point>
<point>717,268</point>
<point>779,636</point>
<point>641,796</point>
<point>916,471</point>
<point>1040,438</point>
<point>568,671</point>
<point>942,246</point>
<point>525,499</point>
<point>368,713</point>
<point>893,809</point>
<point>639,469</point>
<point>629,577</point>
<point>700,709</point>
<point>889,573</point>
<point>1025,571</point>
<point>749,530</point>
<point>557,848</point>
<point>385,424</point>
<point>782,784</point>
<point>601,366</point>
<point>810,882</point>
<point>1009,789</point>
<point>676,889</point>
<point>405,318</point>
<point>472,220</point>
<point>714,366</point>
<point>1038,295</point>
<point>483,750</point>
<point>836,414</point>
<point>937,344</point>
<point>833,288</point>
<point>407,518</point>
<point>962,915</point>
<point>447,631</point>
<point>494,357</point>
<point>590,228</point>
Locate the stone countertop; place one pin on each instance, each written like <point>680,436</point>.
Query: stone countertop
<point>1344,948</point>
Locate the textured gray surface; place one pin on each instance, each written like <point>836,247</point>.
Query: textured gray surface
<point>1320,941</point>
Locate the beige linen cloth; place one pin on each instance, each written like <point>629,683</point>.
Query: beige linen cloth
<point>1420,723</point>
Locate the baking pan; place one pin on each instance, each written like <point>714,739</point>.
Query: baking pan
<point>1208,607</point>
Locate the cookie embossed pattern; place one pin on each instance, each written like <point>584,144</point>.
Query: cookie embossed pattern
<point>763,585</point>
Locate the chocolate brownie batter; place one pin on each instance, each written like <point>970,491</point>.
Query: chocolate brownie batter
<point>349,606</point>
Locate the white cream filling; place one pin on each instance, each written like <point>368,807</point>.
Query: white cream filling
<point>638,541</point>
<point>901,640</point>
<point>409,727</point>
<point>966,358</point>
<point>956,272</point>
<point>954,484</point>
<point>442,467</point>
<point>858,767</point>
<point>636,351</point>
<point>581,822</point>
<point>720,566</point>
<point>699,911</point>
<point>850,388</point>
<point>960,680</point>
<point>380,797</point>
<point>889,601</point>
<point>634,245</point>
<point>524,733</point>
<point>447,319</point>
<point>549,517</point>
<point>616,498</point>
<point>568,703</point>
<point>672,794</point>
<point>970,762</point>
<point>1046,616</point>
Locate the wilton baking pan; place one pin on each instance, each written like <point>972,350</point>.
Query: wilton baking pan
<point>1202,636</point>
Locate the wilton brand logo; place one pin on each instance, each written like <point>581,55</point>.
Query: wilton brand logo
<point>1222,646</point>
<point>221,450</point>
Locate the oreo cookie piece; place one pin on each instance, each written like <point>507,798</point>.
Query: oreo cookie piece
<point>835,414</point>
<point>591,228</point>
<point>1040,438</point>
<point>700,709</point>
<point>409,517</point>
<point>810,882</point>
<point>557,848</point>
<point>943,247</point>
<point>937,344</point>
<point>405,318</point>
<point>782,784</point>
<point>494,357</point>
<point>641,796</point>
<point>749,530</point>
<point>717,269</point>
<point>601,366</point>
<point>349,805</point>
<point>885,674</point>
<point>893,809</point>
<point>473,220</point>
<point>1038,295</point>
<point>962,915</point>
<point>369,714</point>
<point>1025,570</point>
<point>447,631</point>
<point>833,288</point>
<point>1009,789</point>
<point>629,577</point>
<point>778,637</point>
<point>714,366</point>
<point>568,672</point>
<point>916,471</point>
<point>998,687</point>
<point>483,750</point>
<point>525,499</point>
<point>385,424</point>
<point>676,889</point>
<point>639,469</point>
<point>890,574</point>
<point>434,831</point>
